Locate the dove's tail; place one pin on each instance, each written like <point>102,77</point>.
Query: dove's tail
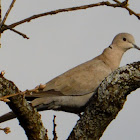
<point>7,117</point>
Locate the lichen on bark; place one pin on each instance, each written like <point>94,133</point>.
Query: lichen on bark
<point>106,102</point>
<point>28,117</point>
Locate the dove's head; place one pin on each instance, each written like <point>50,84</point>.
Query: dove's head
<point>124,41</point>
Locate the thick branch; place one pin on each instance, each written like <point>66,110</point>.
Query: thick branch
<point>28,117</point>
<point>107,101</point>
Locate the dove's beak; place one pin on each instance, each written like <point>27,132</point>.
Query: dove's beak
<point>135,46</point>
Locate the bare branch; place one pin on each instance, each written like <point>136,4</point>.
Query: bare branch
<point>7,13</point>
<point>131,12</point>
<point>6,130</point>
<point>106,3</point>
<point>54,129</point>
<point>36,89</point>
<point>23,35</point>
<point>4,19</point>
<point>8,96</point>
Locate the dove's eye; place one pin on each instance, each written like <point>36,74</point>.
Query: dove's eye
<point>124,39</point>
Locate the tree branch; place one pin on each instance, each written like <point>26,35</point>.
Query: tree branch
<point>19,33</point>
<point>106,3</point>
<point>28,117</point>
<point>7,13</point>
<point>107,101</point>
<point>131,12</point>
<point>54,129</point>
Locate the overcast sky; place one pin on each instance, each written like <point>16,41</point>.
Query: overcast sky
<point>60,42</point>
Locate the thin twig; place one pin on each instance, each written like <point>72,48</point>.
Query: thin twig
<point>7,13</point>
<point>54,129</point>
<point>11,95</point>
<point>106,3</point>
<point>23,35</point>
<point>6,130</point>
<point>131,12</point>
<point>36,89</point>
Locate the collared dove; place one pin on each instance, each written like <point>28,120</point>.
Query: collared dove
<point>72,90</point>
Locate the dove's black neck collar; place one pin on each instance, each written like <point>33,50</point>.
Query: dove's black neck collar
<point>110,47</point>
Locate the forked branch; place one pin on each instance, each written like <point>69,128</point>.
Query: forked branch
<point>104,3</point>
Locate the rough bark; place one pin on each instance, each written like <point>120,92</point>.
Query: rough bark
<point>28,117</point>
<point>107,101</point>
<point>104,106</point>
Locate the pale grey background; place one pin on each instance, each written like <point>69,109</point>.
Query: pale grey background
<point>60,42</point>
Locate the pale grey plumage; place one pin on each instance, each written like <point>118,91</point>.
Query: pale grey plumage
<point>73,89</point>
